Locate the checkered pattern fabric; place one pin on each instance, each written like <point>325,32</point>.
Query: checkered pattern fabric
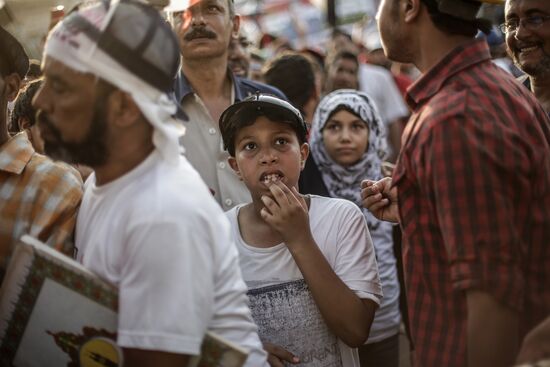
<point>473,182</point>
<point>37,197</point>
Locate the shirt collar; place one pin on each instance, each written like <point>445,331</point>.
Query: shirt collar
<point>457,60</point>
<point>184,88</point>
<point>15,154</point>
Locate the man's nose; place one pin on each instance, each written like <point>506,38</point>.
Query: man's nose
<point>522,31</point>
<point>196,16</point>
<point>39,100</point>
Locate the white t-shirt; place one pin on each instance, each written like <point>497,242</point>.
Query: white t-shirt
<point>281,303</point>
<point>158,235</point>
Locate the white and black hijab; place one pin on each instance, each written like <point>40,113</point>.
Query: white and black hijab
<point>345,182</point>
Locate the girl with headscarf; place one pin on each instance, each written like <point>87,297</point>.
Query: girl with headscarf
<point>348,145</point>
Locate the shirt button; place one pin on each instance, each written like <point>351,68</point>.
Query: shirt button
<point>228,202</point>
<point>211,131</point>
<point>222,165</point>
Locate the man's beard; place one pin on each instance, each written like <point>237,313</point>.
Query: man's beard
<point>91,151</point>
<point>540,70</point>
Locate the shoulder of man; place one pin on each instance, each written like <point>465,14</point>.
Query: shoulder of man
<point>248,87</point>
<point>55,175</point>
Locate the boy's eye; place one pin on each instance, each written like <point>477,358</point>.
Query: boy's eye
<point>249,146</point>
<point>280,141</point>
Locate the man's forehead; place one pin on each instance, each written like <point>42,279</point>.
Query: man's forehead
<point>523,6</point>
<point>182,5</point>
<point>53,68</point>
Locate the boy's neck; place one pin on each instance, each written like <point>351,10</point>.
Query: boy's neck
<point>254,229</point>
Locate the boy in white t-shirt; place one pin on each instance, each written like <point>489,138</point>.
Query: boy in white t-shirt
<point>308,261</point>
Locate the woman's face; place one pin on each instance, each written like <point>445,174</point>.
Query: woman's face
<point>346,138</point>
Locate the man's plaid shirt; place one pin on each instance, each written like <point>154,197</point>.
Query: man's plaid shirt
<point>37,197</point>
<point>473,181</point>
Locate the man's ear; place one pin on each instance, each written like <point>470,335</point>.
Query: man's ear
<point>412,9</point>
<point>234,166</point>
<point>123,109</point>
<point>12,84</point>
<point>236,25</point>
<point>304,153</point>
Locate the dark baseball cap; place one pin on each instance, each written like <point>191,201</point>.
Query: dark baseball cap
<point>259,104</point>
<point>13,58</point>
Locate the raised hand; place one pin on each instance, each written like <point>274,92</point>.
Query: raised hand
<point>380,199</point>
<point>287,212</point>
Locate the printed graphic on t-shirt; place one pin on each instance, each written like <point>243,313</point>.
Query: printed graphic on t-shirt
<point>287,315</point>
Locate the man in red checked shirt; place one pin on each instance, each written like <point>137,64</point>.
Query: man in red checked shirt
<point>471,190</point>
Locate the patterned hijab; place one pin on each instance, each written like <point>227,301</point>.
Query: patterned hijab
<point>345,182</point>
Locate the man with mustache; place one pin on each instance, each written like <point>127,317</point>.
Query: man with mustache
<point>471,188</point>
<point>206,87</point>
<point>527,31</point>
<point>147,223</point>
<point>37,196</point>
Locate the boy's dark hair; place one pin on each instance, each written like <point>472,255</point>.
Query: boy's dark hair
<point>284,72</point>
<point>246,112</point>
<point>23,105</point>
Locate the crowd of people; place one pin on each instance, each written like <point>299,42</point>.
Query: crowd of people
<point>306,206</point>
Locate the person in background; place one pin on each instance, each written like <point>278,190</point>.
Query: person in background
<point>342,71</point>
<point>348,145</point>
<point>147,224</point>
<point>23,116</point>
<point>239,56</point>
<point>527,32</point>
<point>283,71</point>
<point>37,196</point>
<point>308,261</point>
<point>471,189</point>
<point>205,87</point>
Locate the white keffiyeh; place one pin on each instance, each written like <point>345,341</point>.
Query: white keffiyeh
<point>79,52</point>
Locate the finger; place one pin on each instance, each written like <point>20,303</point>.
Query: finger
<point>300,198</point>
<point>270,204</point>
<point>370,192</point>
<point>266,215</point>
<point>274,361</point>
<point>284,355</point>
<point>280,192</point>
<point>378,206</point>
<point>367,183</point>
<point>370,200</point>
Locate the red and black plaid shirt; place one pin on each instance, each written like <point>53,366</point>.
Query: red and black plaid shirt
<point>473,181</point>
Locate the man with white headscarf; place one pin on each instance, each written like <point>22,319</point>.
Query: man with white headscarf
<point>147,224</point>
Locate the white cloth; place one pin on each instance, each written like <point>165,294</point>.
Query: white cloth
<point>157,234</point>
<point>81,53</point>
<point>379,84</point>
<point>280,308</point>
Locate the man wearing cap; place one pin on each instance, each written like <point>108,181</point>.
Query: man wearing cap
<point>471,190</point>
<point>37,196</point>
<point>527,31</point>
<point>147,222</point>
<point>206,87</point>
